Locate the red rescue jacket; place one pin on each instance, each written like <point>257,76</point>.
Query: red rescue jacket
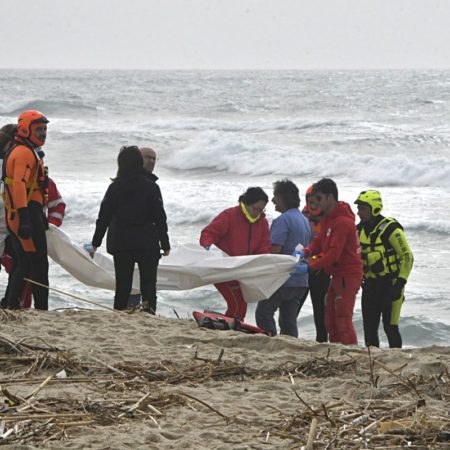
<point>337,243</point>
<point>56,205</point>
<point>235,235</point>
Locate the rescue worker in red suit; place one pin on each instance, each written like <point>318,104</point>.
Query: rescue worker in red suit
<point>336,250</point>
<point>241,230</point>
<point>25,188</point>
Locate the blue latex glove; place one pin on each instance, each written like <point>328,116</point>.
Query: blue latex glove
<point>299,253</point>
<point>207,247</point>
<point>300,269</point>
<point>90,249</point>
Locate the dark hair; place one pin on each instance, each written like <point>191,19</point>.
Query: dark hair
<point>288,191</point>
<point>130,162</point>
<point>7,134</point>
<point>253,195</point>
<point>326,186</point>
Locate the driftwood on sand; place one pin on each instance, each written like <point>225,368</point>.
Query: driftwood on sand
<point>49,394</point>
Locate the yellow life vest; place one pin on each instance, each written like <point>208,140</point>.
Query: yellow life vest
<point>379,257</point>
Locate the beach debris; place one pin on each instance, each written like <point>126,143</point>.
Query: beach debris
<point>61,374</point>
<point>10,316</point>
<point>393,412</point>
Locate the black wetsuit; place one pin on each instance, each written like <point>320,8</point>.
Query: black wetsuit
<point>318,287</point>
<point>376,303</point>
<point>33,265</point>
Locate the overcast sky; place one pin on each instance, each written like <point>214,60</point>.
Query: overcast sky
<point>225,34</point>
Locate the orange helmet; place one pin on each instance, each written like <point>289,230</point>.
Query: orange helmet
<point>309,191</point>
<point>25,125</point>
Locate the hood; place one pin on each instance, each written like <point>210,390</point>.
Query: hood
<point>151,176</point>
<point>342,209</point>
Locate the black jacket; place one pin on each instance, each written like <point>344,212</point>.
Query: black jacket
<point>151,176</point>
<point>132,211</point>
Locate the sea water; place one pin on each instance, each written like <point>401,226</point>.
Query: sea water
<point>217,132</point>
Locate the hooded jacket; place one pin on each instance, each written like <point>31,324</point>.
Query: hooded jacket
<point>235,235</point>
<point>337,243</point>
<point>133,212</point>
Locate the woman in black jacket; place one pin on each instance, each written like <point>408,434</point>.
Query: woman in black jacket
<point>132,211</point>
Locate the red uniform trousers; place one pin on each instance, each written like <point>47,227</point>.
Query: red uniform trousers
<point>340,302</point>
<point>231,292</point>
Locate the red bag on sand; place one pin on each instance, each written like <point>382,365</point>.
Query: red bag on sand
<point>217,321</point>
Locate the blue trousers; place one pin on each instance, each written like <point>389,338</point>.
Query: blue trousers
<point>287,300</point>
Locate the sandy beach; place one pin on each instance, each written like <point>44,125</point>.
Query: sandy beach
<point>98,379</point>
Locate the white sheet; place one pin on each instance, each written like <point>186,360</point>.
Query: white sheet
<point>187,267</point>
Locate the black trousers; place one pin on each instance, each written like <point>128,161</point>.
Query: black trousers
<point>376,302</point>
<point>318,288</point>
<point>33,265</point>
<point>124,263</point>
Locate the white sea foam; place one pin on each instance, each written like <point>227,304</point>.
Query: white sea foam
<point>246,155</point>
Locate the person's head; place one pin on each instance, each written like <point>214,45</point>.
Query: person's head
<point>149,156</point>
<point>129,161</point>
<point>32,125</point>
<point>311,201</point>
<point>255,200</point>
<point>285,195</point>
<point>370,205</point>
<point>7,134</point>
<point>325,194</point>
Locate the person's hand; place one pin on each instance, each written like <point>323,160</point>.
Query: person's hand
<point>299,269</point>
<point>24,231</point>
<point>207,247</point>
<point>395,292</point>
<point>90,249</point>
<point>166,252</point>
